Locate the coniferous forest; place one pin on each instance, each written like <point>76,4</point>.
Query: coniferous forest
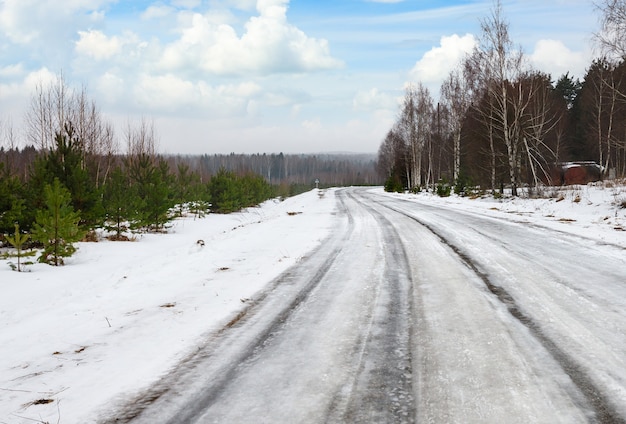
<point>499,123</point>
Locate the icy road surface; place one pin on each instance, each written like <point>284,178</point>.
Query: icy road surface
<point>415,313</point>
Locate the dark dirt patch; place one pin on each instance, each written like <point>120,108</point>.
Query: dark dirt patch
<point>121,237</point>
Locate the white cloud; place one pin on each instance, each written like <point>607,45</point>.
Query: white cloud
<point>11,71</point>
<point>12,92</point>
<point>96,53</point>
<point>170,93</point>
<point>373,99</point>
<point>240,4</point>
<point>166,92</point>
<point>437,63</point>
<point>553,57</point>
<point>157,11</point>
<point>209,43</point>
<point>111,87</point>
<point>189,4</point>
<point>42,77</point>
<point>27,21</point>
<point>269,44</point>
<point>186,70</point>
<point>95,44</point>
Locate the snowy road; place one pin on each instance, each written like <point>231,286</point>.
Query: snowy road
<point>413,313</point>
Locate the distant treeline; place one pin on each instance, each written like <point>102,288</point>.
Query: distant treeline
<point>338,169</point>
<point>140,187</point>
<point>331,170</point>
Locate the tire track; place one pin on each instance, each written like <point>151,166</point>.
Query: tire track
<point>382,389</point>
<point>143,407</point>
<point>595,400</point>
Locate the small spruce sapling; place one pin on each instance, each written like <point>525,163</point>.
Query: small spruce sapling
<point>17,241</point>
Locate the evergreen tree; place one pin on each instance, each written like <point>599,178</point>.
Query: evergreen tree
<point>225,195</point>
<point>65,162</point>
<point>254,190</point>
<point>568,88</point>
<point>121,203</point>
<point>17,241</point>
<point>184,187</point>
<point>56,227</point>
<point>152,183</point>
<point>12,205</point>
<point>199,198</point>
<point>158,197</point>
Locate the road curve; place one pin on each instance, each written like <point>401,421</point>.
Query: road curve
<point>410,313</point>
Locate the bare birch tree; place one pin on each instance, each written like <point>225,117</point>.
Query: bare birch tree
<point>540,119</point>
<point>611,38</point>
<point>425,114</point>
<point>502,64</point>
<point>56,107</point>
<point>456,98</point>
<point>611,41</point>
<point>407,129</point>
<point>141,143</point>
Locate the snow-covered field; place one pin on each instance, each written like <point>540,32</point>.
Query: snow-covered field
<point>77,338</point>
<point>120,314</point>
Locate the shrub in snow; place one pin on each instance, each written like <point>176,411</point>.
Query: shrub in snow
<point>443,189</point>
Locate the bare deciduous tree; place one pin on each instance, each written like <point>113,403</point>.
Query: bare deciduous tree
<point>406,127</point>
<point>9,146</point>
<point>611,39</point>
<point>54,107</point>
<point>141,139</point>
<point>50,109</point>
<point>501,64</point>
<point>456,98</point>
<point>541,118</point>
<point>425,129</point>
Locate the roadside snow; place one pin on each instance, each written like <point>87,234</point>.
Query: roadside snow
<point>595,211</point>
<point>120,314</point>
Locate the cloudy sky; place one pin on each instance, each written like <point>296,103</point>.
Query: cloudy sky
<point>299,76</point>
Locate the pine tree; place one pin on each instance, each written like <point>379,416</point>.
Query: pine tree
<point>225,193</point>
<point>65,162</point>
<point>121,204</point>
<point>11,201</point>
<point>157,199</point>
<point>153,184</point>
<point>568,88</point>
<point>57,225</point>
<point>17,241</point>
